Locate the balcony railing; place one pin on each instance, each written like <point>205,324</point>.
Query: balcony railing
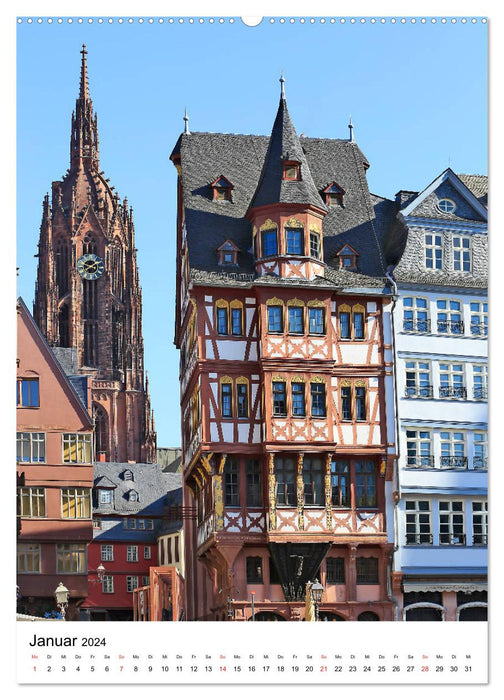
<point>480,392</point>
<point>451,327</point>
<point>411,325</point>
<point>453,462</point>
<point>452,538</point>
<point>424,391</point>
<point>420,462</point>
<point>480,329</point>
<point>452,392</point>
<point>419,538</point>
<point>480,462</point>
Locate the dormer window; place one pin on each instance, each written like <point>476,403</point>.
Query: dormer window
<point>128,475</point>
<point>222,189</point>
<point>291,170</point>
<point>132,495</point>
<point>228,253</point>
<point>333,195</point>
<point>348,258</point>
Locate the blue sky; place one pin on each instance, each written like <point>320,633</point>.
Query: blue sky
<point>417,94</point>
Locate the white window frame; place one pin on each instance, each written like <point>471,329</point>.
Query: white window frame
<point>433,251</point>
<point>36,496</point>
<point>83,448</point>
<point>481,513</point>
<point>30,555</point>
<point>147,552</point>
<point>104,497</point>
<point>413,517</point>
<point>107,583</point>
<point>32,442</point>
<point>76,558</point>
<point>482,454</point>
<point>478,311</point>
<point>462,254</point>
<point>132,553</point>
<point>451,515</point>
<point>81,498</point>
<point>453,316</point>
<point>421,438</point>
<point>107,552</point>
<point>452,380</point>
<point>131,583</point>
<point>443,208</point>
<point>417,311</point>
<point>418,372</point>
<point>456,440</point>
<point>480,382</point>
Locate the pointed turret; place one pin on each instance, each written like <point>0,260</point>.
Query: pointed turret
<point>84,139</point>
<point>285,176</point>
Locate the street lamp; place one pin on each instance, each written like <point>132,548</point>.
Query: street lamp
<point>62,594</point>
<point>100,570</point>
<point>316,591</point>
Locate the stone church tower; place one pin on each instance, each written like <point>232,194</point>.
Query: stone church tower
<point>88,295</point>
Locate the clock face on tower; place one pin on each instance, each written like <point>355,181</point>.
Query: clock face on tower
<point>90,266</point>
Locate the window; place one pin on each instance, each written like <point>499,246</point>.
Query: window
<point>226,399</point>
<point>279,399</point>
<point>132,552</point>
<point>360,403</point>
<point>318,400</point>
<point>31,502</point>
<point>298,399</point>
<point>340,486</point>
<point>76,448</point>
<point>30,447</point>
<point>71,559</point>
<point>333,195</point>
<point>107,584</point>
<point>315,251</point>
<point>138,524</point>
<point>449,317</point>
<point>452,450</point>
<point>75,503</point>
<point>28,558</point>
<point>365,484</point>
<point>335,570</point>
<point>242,398</point>
<point>352,322</point>
<point>28,393</point>
<point>296,322</point>
<point>291,170</point>
<point>253,483</point>
<point>480,522</point>
<point>451,522</point>
<point>254,570</point>
<point>346,402</point>
<point>433,251</point>
<point>147,552</point>
<point>285,473</point>
<point>452,382</point>
<point>347,257</point>
<point>419,449</point>
<point>132,495</point>
<point>145,580</point>
<point>479,318</point>
<point>275,319</point>
<point>447,206</point>
<point>415,315</point>
<point>462,253</point>
<point>480,453</point>
<point>418,522</point>
<point>236,318</point>
<point>228,253</point>
<point>269,244</point>
<point>104,497</point>
<point>97,523</point>
<point>418,383</point>
<point>367,570</point>
<point>294,241</point>
<point>128,475</point>
<point>107,552</point>
<point>313,481</point>
<point>131,583</point>
<point>231,483</point>
<point>221,189</point>
<point>222,320</point>
<point>316,320</point>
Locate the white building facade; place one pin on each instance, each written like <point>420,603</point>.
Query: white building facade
<point>441,359</point>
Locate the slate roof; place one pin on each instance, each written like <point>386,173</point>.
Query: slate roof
<point>156,489</point>
<point>361,221</point>
<point>478,184</point>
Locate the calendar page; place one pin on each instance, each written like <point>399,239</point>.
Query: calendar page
<point>252,347</point>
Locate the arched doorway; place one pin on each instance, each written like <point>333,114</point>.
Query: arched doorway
<point>368,616</point>
<point>424,612</point>
<point>325,616</point>
<point>267,616</point>
<point>473,612</point>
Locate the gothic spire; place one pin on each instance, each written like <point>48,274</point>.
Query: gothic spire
<point>84,138</point>
<point>284,147</point>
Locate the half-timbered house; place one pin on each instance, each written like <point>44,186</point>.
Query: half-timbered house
<point>283,325</point>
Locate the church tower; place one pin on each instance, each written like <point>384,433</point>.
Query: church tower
<point>88,297</point>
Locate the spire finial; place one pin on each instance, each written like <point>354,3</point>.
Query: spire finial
<point>84,88</point>
<point>186,119</point>
<point>350,126</point>
<point>282,89</point>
